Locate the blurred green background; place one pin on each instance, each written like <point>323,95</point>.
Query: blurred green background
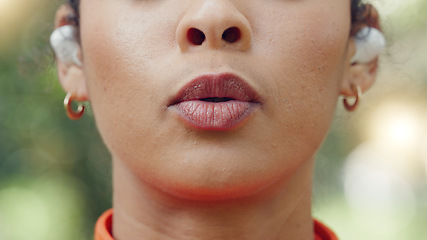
<point>371,173</point>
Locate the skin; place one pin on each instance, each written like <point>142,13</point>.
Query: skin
<point>173,181</point>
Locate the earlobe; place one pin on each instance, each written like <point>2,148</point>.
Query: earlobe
<point>359,74</point>
<point>73,81</point>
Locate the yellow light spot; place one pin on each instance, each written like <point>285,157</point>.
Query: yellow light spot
<point>15,16</point>
<point>398,126</point>
<point>6,6</point>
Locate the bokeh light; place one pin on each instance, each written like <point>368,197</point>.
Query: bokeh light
<point>41,208</point>
<point>7,6</point>
<point>382,200</point>
<point>22,208</point>
<point>16,18</point>
<point>390,7</point>
<point>397,125</point>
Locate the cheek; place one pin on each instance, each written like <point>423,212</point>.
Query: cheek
<point>121,70</point>
<point>306,61</point>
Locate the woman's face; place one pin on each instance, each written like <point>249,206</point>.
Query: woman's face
<point>276,78</point>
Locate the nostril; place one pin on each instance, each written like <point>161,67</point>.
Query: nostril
<point>231,35</point>
<point>195,36</point>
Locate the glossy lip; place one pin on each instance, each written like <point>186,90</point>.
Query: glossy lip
<point>237,100</point>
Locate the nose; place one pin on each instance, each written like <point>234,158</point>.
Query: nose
<point>214,24</point>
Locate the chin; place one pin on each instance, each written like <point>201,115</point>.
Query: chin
<point>219,183</point>
<point>213,191</point>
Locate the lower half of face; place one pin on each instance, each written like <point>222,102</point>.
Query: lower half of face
<point>140,75</point>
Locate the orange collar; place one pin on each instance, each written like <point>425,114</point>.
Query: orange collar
<point>322,232</point>
<point>103,228</point>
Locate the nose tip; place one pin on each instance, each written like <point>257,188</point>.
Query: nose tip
<point>214,24</point>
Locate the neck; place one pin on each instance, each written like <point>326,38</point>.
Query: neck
<point>283,211</point>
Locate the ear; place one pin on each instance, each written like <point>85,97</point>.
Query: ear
<point>71,76</point>
<point>362,74</point>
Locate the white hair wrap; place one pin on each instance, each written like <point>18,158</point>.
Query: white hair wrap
<point>369,44</point>
<point>64,43</point>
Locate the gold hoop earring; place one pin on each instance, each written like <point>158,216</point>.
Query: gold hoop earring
<point>74,115</point>
<point>358,93</point>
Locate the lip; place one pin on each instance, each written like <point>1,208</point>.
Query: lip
<point>215,101</point>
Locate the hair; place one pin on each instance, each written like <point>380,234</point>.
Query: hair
<point>359,14</point>
<point>74,19</point>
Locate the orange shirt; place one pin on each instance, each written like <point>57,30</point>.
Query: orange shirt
<point>104,225</point>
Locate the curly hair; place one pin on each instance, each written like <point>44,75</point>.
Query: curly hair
<point>358,11</point>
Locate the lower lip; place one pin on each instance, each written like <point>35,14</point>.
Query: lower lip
<point>214,116</point>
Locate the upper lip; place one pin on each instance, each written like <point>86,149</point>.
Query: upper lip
<point>226,85</point>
